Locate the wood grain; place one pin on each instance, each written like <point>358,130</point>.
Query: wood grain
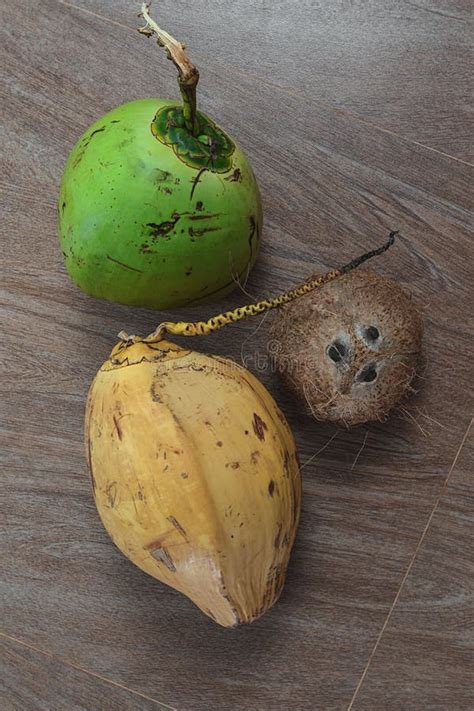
<point>428,646</point>
<point>32,680</point>
<point>400,65</point>
<point>332,187</point>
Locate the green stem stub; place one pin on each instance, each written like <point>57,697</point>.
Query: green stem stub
<point>209,149</point>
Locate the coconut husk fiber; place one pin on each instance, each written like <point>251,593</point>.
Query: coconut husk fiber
<point>350,349</point>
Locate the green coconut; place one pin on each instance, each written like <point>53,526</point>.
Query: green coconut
<point>158,205</point>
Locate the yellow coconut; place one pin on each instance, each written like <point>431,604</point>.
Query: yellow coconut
<point>195,475</point>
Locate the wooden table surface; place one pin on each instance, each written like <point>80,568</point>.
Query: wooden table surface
<point>355,116</point>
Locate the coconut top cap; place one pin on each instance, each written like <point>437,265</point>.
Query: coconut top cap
<point>130,352</point>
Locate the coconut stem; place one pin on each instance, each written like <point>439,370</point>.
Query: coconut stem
<point>188,75</point>
<point>203,328</point>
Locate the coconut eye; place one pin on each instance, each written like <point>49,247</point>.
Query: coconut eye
<point>368,374</point>
<point>337,351</point>
<point>372,333</point>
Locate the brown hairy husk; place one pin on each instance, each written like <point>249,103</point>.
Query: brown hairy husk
<point>338,316</point>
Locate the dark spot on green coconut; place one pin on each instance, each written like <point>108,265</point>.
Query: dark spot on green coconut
<point>236,176</point>
<point>97,130</point>
<point>199,205</point>
<point>194,232</point>
<point>161,176</point>
<point>122,264</point>
<point>204,217</point>
<point>86,140</point>
<point>163,228</point>
<point>195,181</point>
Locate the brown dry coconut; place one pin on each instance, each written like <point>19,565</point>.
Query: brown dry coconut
<point>350,349</point>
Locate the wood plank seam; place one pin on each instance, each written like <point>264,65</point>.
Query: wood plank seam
<point>68,663</point>
<point>410,566</point>
<point>286,90</point>
<point>433,12</point>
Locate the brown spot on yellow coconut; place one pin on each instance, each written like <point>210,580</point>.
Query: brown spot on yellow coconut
<point>259,426</point>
